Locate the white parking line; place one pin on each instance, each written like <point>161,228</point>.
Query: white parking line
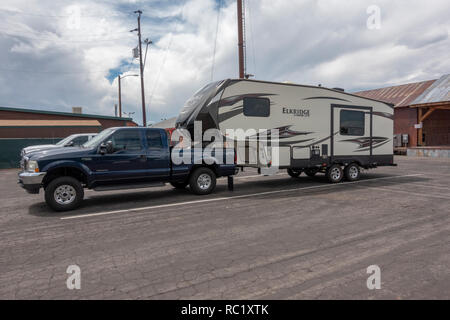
<point>259,176</point>
<point>232,197</point>
<point>222,178</point>
<point>433,195</point>
<point>431,186</point>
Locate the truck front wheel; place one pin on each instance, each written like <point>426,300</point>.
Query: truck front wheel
<point>64,193</point>
<point>202,181</point>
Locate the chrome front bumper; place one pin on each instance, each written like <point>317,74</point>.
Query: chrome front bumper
<point>31,181</point>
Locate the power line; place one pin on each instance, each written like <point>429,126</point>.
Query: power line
<point>98,16</point>
<point>215,40</point>
<point>60,40</point>
<point>251,35</point>
<point>165,55</point>
<point>53,72</point>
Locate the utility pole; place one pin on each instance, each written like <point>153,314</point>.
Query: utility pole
<point>120,99</point>
<point>144,117</point>
<point>240,19</point>
<point>119,78</point>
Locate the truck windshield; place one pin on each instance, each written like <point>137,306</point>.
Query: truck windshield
<point>197,100</point>
<point>65,140</point>
<point>95,141</point>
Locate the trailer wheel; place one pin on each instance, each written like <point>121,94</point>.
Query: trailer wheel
<point>352,172</point>
<point>64,194</point>
<point>202,181</point>
<point>294,173</point>
<point>179,185</point>
<point>335,174</point>
<point>311,172</point>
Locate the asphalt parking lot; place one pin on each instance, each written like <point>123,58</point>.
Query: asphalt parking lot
<point>272,238</point>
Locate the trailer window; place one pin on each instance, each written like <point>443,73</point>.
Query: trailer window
<point>352,123</point>
<point>256,107</point>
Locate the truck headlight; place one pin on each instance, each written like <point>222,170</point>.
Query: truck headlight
<point>32,166</point>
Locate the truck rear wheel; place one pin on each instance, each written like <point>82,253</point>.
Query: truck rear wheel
<point>352,172</point>
<point>179,185</point>
<point>202,181</point>
<point>64,194</point>
<point>294,173</point>
<point>335,174</point>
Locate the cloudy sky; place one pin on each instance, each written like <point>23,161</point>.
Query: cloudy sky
<point>59,54</point>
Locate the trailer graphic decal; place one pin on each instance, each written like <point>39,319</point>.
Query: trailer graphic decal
<point>384,115</point>
<point>364,143</point>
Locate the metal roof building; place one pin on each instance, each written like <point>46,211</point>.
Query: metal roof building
<point>422,110</point>
<point>438,92</point>
<point>399,96</point>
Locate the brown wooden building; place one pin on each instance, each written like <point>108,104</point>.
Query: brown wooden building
<point>421,110</point>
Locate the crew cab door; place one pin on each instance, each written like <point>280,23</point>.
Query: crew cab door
<point>158,155</point>
<point>127,163</point>
<point>351,131</point>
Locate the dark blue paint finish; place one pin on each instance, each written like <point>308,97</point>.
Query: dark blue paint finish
<point>152,163</point>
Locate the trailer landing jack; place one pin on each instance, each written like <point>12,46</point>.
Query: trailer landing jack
<point>230,183</point>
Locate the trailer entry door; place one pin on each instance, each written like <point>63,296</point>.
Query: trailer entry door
<point>351,131</point>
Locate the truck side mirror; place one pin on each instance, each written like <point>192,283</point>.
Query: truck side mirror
<point>70,144</point>
<point>102,149</point>
<point>106,147</point>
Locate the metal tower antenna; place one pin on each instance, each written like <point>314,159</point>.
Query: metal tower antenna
<point>241,38</point>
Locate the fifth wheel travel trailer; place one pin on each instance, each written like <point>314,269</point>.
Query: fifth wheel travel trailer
<point>320,129</point>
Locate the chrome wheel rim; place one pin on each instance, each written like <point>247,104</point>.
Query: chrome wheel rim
<point>353,172</point>
<point>65,194</point>
<point>336,174</point>
<point>204,181</point>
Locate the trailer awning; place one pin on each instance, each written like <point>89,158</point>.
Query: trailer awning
<point>49,123</point>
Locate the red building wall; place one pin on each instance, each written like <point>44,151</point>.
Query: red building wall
<point>404,121</point>
<point>436,128</point>
<point>53,132</point>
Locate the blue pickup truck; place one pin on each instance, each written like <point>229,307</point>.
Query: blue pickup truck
<point>117,158</point>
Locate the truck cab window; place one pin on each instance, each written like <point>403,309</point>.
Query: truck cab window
<point>154,139</point>
<point>78,141</point>
<point>352,123</point>
<point>256,107</point>
<point>126,141</point>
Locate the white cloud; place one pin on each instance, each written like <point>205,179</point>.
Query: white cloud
<point>54,60</point>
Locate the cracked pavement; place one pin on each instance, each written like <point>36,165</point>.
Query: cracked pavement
<point>313,243</point>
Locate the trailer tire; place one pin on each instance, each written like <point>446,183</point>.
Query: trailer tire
<point>311,172</point>
<point>352,172</point>
<point>64,194</point>
<point>202,181</point>
<point>179,185</point>
<point>335,174</point>
<point>294,173</point>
